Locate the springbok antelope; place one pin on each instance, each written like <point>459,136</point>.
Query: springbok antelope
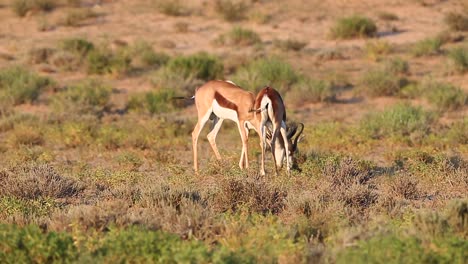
<point>270,110</point>
<point>219,100</point>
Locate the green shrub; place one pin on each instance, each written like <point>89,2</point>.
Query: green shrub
<point>201,66</point>
<point>396,66</point>
<point>153,102</point>
<point>456,133</point>
<point>30,245</point>
<point>22,7</point>
<point>25,135</point>
<point>411,90</point>
<point>18,85</point>
<point>426,47</point>
<point>456,21</point>
<point>77,46</point>
<point>377,49</point>
<point>231,10</point>
<point>239,36</point>
<point>104,61</point>
<point>443,95</point>
<point>90,96</point>
<point>76,17</point>
<point>311,91</point>
<point>266,71</point>
<point>72,54</point>
<point>289,44</point>
<point>399,120</point>
<point>40,55</point>
<point>458,59</point>
<point>353,27</point>
<point>387,16</point>
<point>144,56</point>
<point>165,78</point>
<point>399,248</point>
<point>172,8</point>
<point>380,83</point>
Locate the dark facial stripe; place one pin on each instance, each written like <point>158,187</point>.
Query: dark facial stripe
<point>222,101</point>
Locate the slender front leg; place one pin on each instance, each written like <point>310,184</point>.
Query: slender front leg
<point>244,160</point>
<point>273,147</point>
<point>212,135</point>
<point>286,145</point>
<point>195,133</point>
<point>262,136</point>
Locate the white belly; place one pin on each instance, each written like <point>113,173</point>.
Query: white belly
<point>224,113</point>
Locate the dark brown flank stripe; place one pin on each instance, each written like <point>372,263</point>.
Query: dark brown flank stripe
<point>222,101</point>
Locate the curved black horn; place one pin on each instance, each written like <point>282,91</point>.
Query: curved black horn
<point>291,130</point>
<point>298,134</point>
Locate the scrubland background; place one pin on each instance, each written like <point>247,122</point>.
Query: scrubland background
<point>96,161</point>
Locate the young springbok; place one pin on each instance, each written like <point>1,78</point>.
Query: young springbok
<point>270,111</point>
<point>219,100</point>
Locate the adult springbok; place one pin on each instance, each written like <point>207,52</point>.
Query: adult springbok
<point>219,100</point>
<point>270,111</point>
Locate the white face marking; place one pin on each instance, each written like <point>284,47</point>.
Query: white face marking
<point>224,113</point>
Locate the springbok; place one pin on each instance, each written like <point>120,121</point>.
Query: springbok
<point>219,100</point>
<point>270,111</point>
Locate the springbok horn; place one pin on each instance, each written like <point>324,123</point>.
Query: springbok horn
<point>298,134</point>
<point>291,130</point>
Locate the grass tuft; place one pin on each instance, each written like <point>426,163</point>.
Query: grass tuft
<point>399,120</point>
<point>18,85</point>
<point>427,47</point>
<point>353,27</point>
<point>231,10</point>
<point>274,72</point>
<point>239,36</point>
<point>456,21</point>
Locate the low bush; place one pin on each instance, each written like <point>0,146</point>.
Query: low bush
<point>456,21</point>
<point>239,36</point>
<point>89,96</point>
<point>173,8</point>
<point>381,83</point>
<point>153,102</point>
<point>399,120</point>
<point>458,60</point>
<point>273,72</point>
<point>444,96</point>
<point>396,66</point>
<point>77,17</point>
<point>387,16</point>
<point>104,61</point>
<point>377,49</point>
<point>289,44</point>
<point>18,85</point>
<point>426,47</point>
<point>353,27</point>
<point>22,7</point>
<point>201,66</point>
<point>37,181</point>
<point>144,56</point>
<point>311,91</point>
<point>231,10</point>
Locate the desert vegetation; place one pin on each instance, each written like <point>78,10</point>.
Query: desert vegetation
<point>96,156</point>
